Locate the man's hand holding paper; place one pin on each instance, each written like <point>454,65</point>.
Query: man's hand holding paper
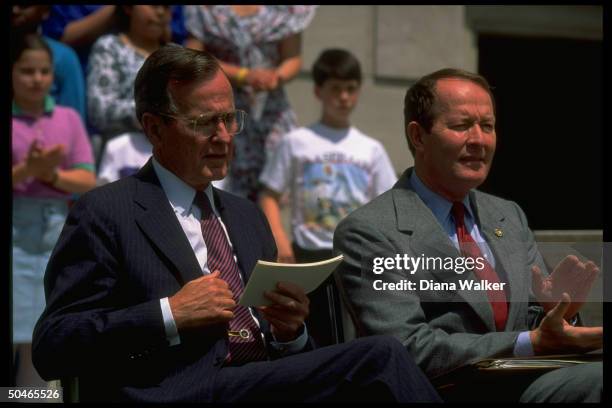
<point>289,310</point>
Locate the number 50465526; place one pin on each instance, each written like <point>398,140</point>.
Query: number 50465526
<point>31,393</point>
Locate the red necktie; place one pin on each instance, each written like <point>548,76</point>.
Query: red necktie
<point>245,341</point>
<point>469,248</point>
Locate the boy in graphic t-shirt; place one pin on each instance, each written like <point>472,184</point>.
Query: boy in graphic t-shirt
<point>329,169</point>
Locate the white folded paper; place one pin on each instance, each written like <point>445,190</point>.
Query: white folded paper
<point>266,275</point>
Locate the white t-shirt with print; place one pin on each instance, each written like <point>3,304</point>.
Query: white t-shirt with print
<point>123,155</point>
<point>328,173</point>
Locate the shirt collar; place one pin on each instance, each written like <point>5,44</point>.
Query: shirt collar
<point>330,132</point>
<point>49,105</point>
<point>438,205</point>
<point>179,193</point>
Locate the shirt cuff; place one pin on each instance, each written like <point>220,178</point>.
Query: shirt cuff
<point>523,346</point>
<point>172,334</point>
<point>293,346</point>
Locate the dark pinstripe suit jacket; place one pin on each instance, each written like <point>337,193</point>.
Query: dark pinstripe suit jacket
<point>121,250</point>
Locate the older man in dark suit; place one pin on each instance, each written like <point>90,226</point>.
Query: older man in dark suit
<point>143,284</point>
<point>434,213</point>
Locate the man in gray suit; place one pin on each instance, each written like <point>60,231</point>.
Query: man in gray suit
<point>435,216</point>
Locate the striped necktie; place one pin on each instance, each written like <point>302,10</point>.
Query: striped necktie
<point>244,336</point>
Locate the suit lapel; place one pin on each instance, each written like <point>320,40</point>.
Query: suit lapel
<point>429,238</point>
<point>158,222</point>
<point>506,252</point>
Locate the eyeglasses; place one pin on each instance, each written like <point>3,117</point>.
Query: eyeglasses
<point>206,124</point>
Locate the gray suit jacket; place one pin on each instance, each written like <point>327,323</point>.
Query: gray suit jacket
<point>442,329</point>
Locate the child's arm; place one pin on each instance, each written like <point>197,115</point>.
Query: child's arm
<point>87,29</point>
<point>291,56</point>
<point>74,180</point>
<point>268,201</point>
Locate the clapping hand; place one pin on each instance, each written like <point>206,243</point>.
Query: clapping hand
<point>555,335</point>
<point>570,276</point>
<point>41,162</point>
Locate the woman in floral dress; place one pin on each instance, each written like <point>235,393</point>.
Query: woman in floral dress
<point>114,62</point>
<point>259,49</point>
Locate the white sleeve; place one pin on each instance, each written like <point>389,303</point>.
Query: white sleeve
<point>278,171</point>
<point>383,174</point>
<point>172,334</point>
<point>108,170</point>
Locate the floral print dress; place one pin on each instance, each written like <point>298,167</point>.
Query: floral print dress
<point>251,41</point>
<point>112,69</point>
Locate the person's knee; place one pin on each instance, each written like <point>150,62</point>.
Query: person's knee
<point>589,382</point>
<point>383,349</point>
<point>581,383</point>
<point>391,367</point>
<point>382,344</point>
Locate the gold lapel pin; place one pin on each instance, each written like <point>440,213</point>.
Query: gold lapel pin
<point>499,233</point>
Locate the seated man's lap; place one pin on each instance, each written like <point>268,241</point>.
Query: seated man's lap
<point>376,361</point>
<point>580,383</point>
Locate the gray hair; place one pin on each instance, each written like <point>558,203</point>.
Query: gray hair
<point>169,63</point>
